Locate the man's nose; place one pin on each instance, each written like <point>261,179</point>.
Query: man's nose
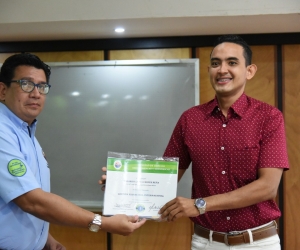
<point>35,92</point>
<point>223,67</point>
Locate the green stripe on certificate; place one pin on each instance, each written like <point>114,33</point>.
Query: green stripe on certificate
<point>143,166</point>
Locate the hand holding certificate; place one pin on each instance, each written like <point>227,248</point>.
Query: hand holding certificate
<point>139,184</point>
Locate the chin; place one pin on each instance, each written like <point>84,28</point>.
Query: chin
<point>222,90</point>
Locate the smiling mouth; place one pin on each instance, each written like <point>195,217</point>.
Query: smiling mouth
<point>223,80</point>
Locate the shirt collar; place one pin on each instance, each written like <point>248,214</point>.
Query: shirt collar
<point>239,107</point>
<point>15,119</point>
<point>212,106</point>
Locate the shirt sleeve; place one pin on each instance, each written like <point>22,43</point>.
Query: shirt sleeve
<point>14,184</point>
<point>273,151</point>
<point>177,146</point>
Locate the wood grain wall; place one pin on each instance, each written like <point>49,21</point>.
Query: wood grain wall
<point>291,109</point>
<point>154,235</point>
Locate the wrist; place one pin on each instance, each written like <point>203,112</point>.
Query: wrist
<point>96,224</point>
<point>200,204</point>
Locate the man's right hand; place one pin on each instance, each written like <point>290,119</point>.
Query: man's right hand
<point>121,224</point>
<point>103,179</point>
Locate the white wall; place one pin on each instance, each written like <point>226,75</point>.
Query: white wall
<point>34,20</point>
<point>15,11</point>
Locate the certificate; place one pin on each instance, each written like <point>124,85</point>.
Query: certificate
<point>139,185</point>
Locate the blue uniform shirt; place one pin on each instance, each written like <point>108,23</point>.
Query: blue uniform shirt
<point>23,168</point>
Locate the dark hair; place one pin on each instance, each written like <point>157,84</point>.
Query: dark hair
<point>237,40</point>
<point>27,59</point>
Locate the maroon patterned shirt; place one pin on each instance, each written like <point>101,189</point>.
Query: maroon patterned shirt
<point>226,155</point>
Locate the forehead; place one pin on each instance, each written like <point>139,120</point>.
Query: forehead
<point>25,71</point>
<point>228,50</point>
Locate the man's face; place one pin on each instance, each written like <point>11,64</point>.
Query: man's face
<point>228,70</point>
<point>27,106</point>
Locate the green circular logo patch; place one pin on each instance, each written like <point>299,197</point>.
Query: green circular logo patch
<point>16,168</point>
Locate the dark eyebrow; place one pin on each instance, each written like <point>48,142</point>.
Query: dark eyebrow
<point>227,59</point>
<point>232,59</point>
<point>31,80</point>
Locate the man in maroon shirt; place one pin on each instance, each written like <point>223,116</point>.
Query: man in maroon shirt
<point>237,148</point>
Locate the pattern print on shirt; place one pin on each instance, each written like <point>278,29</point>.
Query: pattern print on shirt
<point>226,154</point>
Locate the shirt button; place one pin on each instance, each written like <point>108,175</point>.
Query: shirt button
<point>222,148</point>
<point>224,125</point>
<point>223,172</point>
<point>228,218</point>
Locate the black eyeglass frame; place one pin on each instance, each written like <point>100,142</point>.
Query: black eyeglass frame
<point>33,85</point>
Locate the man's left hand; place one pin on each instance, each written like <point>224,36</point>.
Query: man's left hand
<point>177,208</point>
<point>52,244</point>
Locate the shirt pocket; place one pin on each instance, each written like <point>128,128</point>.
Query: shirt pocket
<point>243,164</point>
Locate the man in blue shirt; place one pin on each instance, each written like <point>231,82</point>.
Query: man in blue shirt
<point>26,204</point>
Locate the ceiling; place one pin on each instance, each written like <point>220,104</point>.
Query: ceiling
<point>149,27</point>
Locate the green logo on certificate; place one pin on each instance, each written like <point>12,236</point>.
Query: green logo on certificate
<point>117,164</point>
<point>16,168</point>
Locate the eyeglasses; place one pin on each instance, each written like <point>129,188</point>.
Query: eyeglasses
<point>28,86</point>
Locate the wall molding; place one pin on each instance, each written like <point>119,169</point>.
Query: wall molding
<point>141,43</point>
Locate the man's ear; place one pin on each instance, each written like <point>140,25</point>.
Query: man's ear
<point>251,70</point>
<point>3,89</point>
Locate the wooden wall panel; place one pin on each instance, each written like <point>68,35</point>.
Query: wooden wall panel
<point>157,236</point>
<point>3,56</point>
<point>291,81</point>
<point>71,56</point>
<point>64,56</point>
<point>183,53</point>
<point>262,85</point>
<point>78,238</point>
<point>206,91</point>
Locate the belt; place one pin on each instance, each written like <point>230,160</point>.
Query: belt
<point>236,239</point>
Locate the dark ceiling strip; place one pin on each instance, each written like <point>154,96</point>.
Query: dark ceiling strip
<point>141,43</point>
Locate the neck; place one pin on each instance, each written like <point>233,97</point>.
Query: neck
<point>225,102</point>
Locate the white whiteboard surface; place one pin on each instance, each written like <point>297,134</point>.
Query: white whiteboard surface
<point>129,106</point>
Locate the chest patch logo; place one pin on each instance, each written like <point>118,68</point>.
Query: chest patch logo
<point>16,168</point>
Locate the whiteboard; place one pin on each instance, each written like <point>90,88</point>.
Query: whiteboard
<point>128,106</point>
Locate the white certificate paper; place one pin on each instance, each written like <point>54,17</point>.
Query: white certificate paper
<point>139,187</point>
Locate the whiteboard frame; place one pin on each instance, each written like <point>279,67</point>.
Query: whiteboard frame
<point>137,62</point>
<point>98,206</point>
